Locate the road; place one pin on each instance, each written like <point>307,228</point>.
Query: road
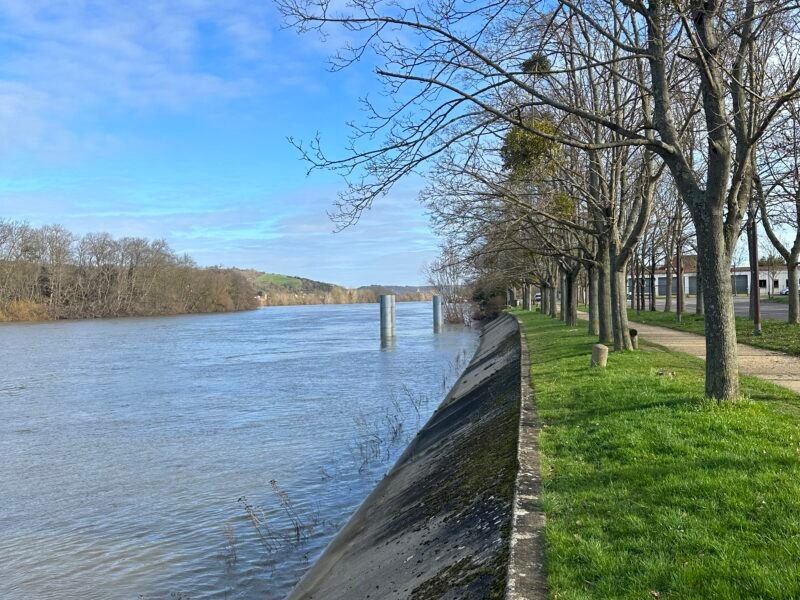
<point>769,310</point>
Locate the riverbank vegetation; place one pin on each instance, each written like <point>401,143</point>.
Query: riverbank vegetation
<point>285,290</point>
<point>51,273</point>
<point>653,491</point>
<point>775,335</point>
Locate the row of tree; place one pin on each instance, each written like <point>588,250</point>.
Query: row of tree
<point>568,139</point>
<point>337,295</point>
<point>50,273</point>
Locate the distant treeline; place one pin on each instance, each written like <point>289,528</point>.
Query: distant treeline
<point>50,273</point>
<point>285,290</point>
<point>336,296</point>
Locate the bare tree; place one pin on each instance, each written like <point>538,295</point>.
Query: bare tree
<point>707,78</point>
<point>778,196</point>
<point>49,273</point>
<point>448,274</point>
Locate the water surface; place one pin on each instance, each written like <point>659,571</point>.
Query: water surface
<point>204,456</point>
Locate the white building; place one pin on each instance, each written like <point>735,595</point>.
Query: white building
<point>769,282</point>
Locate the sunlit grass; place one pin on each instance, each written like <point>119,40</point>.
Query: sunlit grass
<point>292,283</point>
<point>775,335</point>
<point>650,490</point>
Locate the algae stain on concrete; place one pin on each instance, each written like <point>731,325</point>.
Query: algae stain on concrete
<point>438,526</point>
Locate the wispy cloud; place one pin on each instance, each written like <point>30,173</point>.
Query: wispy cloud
<point>168,118</point>
<point>64,61</point>
<point>287,234</point>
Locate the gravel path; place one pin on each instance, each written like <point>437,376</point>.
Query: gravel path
<point>776,367</point>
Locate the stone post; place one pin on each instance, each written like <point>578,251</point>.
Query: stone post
<point>599,355</point>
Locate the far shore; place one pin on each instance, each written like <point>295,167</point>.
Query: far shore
<point>45,319</point>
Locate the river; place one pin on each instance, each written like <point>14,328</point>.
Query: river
<point>203,456</point>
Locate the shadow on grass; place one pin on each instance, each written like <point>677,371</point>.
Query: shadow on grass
<point>651,490</point>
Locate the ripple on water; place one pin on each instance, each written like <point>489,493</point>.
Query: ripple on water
<point>187,454</point>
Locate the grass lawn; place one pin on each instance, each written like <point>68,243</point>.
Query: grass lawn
<point>650,490</point>
<point>775,335</point>
<point>286,281</point>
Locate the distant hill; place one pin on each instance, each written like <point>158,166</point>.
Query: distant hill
<point>400,289</point>
<point>277,289</point>
<point>268,281</point>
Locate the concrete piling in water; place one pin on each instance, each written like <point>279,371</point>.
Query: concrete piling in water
<point>394,315</point>
<point>387,316</point>
<point>438,318</point>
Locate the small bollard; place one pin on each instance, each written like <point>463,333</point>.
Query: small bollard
<point>599,355</point>
<point>634,338</point>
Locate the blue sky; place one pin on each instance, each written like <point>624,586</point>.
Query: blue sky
<point>169,118</point>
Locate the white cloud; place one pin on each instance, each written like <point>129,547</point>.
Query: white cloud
<point>289,234</point>
<point>68,65</point>
<point>72,58</point>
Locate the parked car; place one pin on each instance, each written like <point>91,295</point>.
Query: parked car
<point>785,292</point>
<point>537,297</point>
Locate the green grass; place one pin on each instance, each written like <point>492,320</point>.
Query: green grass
<point>650,490</point>
<point>291,283</point>
<point>775,335</point>
<point>777,299</point>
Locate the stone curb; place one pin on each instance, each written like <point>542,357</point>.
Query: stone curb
<point>527,578</point>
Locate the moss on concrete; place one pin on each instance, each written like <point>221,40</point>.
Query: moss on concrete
<point>438,526</point>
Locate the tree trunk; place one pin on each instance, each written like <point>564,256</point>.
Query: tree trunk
<point>619,311</point>
<point>526,297</point>
<point>722,369</point>
<point>679,291</point>
<point>642,279</point>
<point>553,300</point>
<point>563,298</point>
<point>755,291</point>
<point>544,300</point>
<point>630,285</point>
<point>605,321</point>
<point>698,308</point>
<point>752,255</point>
<point>668,297</point>
<point>653,277</point>
<point>570,293</point>
<point>794,296</point>
<point>594,308</point>
<point>619,305</point>
<point>790,257</point>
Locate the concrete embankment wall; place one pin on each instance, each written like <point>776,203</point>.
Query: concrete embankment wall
<point>438,525</point>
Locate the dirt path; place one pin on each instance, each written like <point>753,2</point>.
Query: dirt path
<point>776,367</point>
